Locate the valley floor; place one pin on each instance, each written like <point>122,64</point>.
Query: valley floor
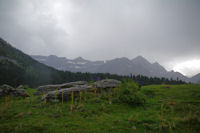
<point>169,108</point>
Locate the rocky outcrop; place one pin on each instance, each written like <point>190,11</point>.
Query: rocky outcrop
<point>58,92</point>
<point>65,93</point>
<point>47,88</point>
<point>6,90</point>
<point>2,58</point>
<point>107,83</point>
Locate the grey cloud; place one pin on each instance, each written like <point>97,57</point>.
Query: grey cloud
<point>163,31</point>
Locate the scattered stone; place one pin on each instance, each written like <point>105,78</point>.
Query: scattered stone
<point>106,83</point>
<point>8,90</point>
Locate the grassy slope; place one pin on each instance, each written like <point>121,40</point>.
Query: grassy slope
<point>168,109</point>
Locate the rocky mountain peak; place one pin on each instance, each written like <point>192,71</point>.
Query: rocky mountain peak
<point>140,59</point>
<point>80,59</point>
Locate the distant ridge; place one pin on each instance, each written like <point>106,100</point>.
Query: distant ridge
<point>120,66</point>
<point>196,78</point>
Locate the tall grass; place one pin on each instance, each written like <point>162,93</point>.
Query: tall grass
<point>4,106</point>
<point>62,98</point>
<point>45,100</point>
<point>80,94</point>
<point>72,102</point>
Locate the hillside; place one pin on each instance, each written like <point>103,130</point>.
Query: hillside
<point>17,66</point>
<point>168,108</point>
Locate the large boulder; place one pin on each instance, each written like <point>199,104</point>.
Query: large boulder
<point>65,93</point>
<point>47,88</point>
<point>6,90</point>
<point>106,83</point>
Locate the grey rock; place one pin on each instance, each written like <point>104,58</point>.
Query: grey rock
<point>1,92</point>
<point>2,58</point>
<point>8,90</point>
<point>46,88</point>
<point>65,93</point>
<point>20,87</point>
<point>107,83</point>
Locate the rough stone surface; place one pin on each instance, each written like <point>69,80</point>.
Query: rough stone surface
<point>107,83</point>
<point>8,90</point>
<point>47,88</point>
<point>54,93</point>
<point>65,93</point>
<point>20,87</point>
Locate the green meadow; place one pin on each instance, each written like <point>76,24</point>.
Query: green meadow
<point>162,109</point>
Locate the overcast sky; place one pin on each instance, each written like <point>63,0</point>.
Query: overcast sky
<point>166,31</point>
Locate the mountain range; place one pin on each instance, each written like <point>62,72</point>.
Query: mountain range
<point>120,66</point>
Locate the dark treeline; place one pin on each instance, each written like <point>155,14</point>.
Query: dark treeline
<point>13,75</point>
<point>143,80</point>
<point>17,68</point>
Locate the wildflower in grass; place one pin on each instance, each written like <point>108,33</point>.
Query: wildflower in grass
<point>72,97</point>
<point>131,76</point>
<point>98,78</point>
<point>91,78</point>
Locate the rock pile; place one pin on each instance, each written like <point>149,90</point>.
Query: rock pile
<point>47,88</point>
<point>107,83</point>
<point>63,91</point>
<point>6,90</point>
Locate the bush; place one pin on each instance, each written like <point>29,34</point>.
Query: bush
<point>94,100</point>
<point>130,84</point>
<point>131,94</point>
<point>136,98</point>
